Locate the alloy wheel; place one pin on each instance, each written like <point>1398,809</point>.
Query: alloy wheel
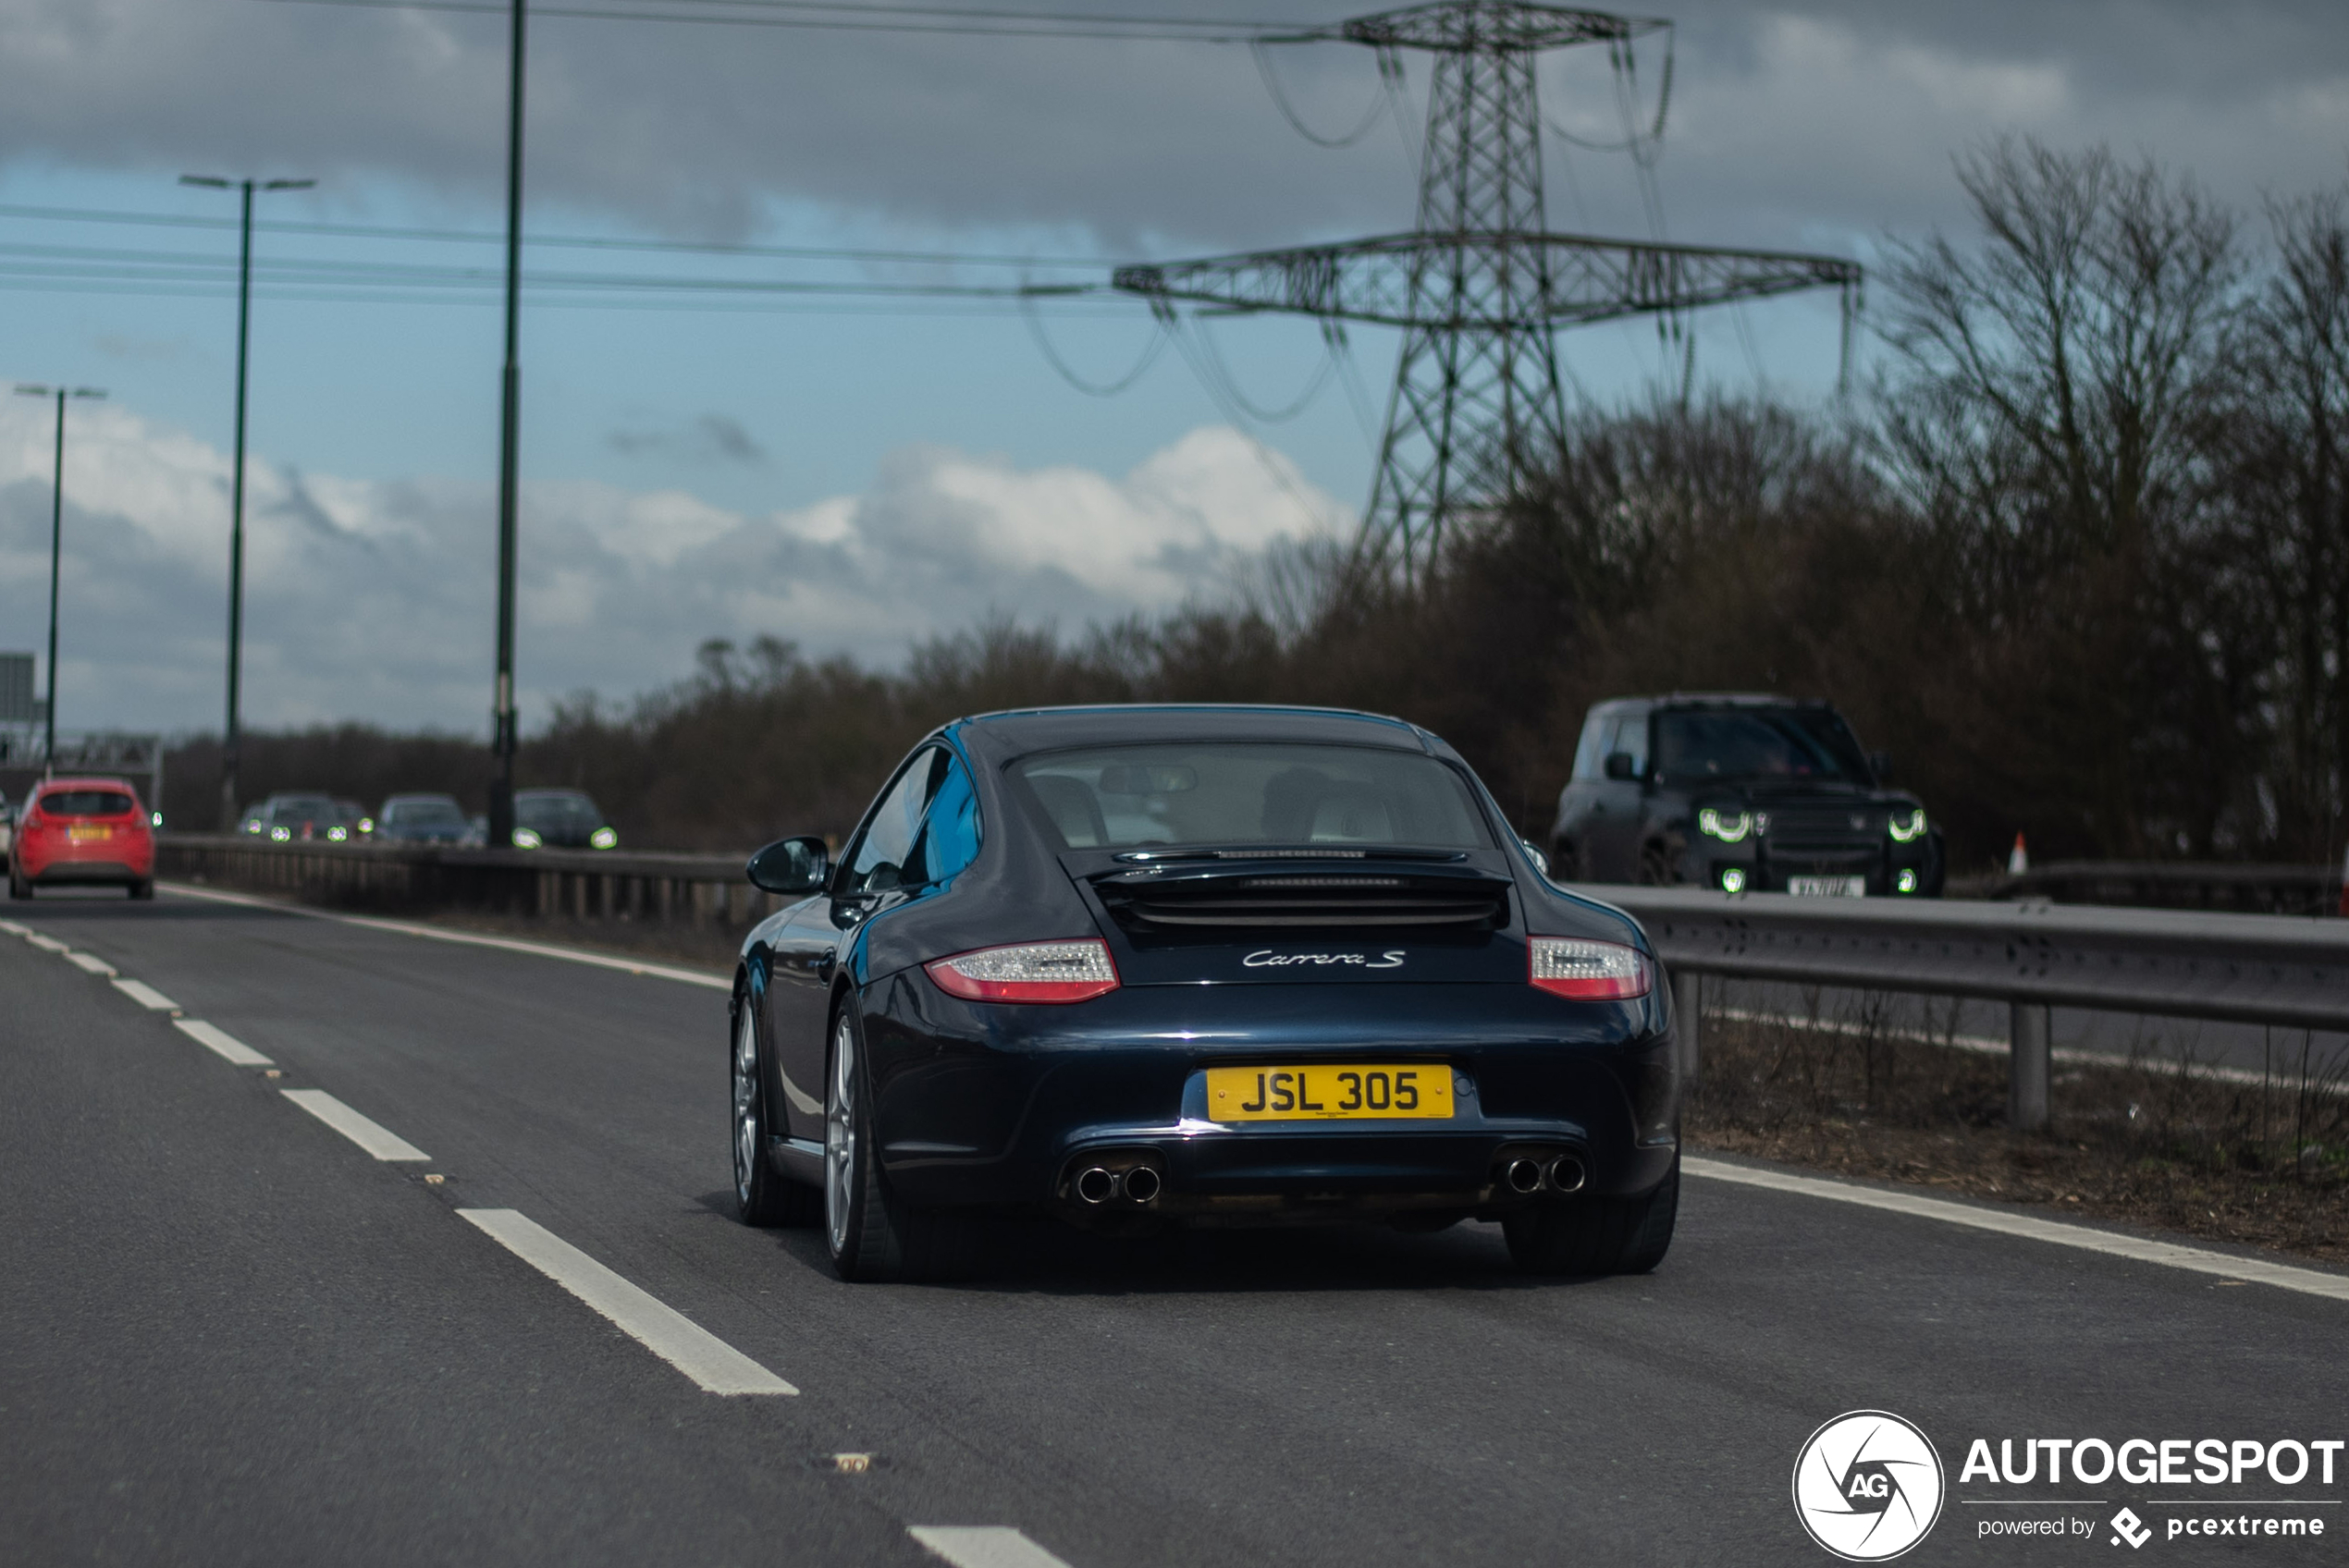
<point>840,1135</point>
<point>746,1128</point>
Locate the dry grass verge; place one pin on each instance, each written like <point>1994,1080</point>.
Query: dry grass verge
<point>2157,1140</point>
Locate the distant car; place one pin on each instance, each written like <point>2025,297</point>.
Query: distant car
<point>1741,792</point>
<point>1142,967</point>
<point>291,817</point>
<point>560,820</point>
<point>355,819</point>
<point>81,832</point>
<point>423,819</point>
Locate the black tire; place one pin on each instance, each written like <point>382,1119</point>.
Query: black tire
<point>763,1197</point>
<point>17,887</point>
<point>1595,1235</point>
<point>871,1236</point>
<point>144,889</point>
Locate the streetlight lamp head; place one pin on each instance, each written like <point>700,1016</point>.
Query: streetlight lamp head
<point>89,392</point>
<point>289,185</point>
<point>210,182</point>
<point>26,390</point>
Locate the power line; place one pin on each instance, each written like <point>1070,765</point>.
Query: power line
<point>1010,25</point>
<point>570,241</point>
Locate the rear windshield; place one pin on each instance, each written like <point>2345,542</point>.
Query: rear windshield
<point>424,814</point>
<point>304,808</point>
<point>1791,743</point>
<point>1127,797</point>
<point>85,802</point>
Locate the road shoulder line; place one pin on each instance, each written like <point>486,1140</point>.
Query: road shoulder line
<point>146,995</point>
<point>983,1546</point>
<point>465,938</point>
<point>701,1355</point>
<point>376,1139</point>
<point>2113,1243</point>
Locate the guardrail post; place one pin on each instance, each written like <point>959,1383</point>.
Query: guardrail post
<point>2027,1067</point>
<point>1688,1015</point>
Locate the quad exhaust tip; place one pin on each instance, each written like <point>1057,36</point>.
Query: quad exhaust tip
<point>1097,1184</point>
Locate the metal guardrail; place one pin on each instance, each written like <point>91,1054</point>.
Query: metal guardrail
<point>2246,886</point>
<point>700,890</point>
<point>2230,968</point>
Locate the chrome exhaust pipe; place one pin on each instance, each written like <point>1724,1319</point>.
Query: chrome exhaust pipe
<point>1097,1185</point>
<point>1142,1183</point>
<point>1568,1174</point>
<point>1524,1175</point>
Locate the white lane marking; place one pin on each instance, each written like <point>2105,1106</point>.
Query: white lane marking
<point>146,995</point>
<point>709,1361</point>
<point>46,944</point>
<point>2284,1275</point>
<point>983,1546</point>
<point>378,1141</point>
<point>470,940</point>
<point>220,1042</point>
<point>91,964</point>
<point>13,929</point>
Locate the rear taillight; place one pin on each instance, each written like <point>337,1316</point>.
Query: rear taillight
<point>1031,971</point>
<point>1587,970</point>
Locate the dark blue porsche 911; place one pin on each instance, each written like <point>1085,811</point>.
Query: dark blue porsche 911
<point>1141,967</point>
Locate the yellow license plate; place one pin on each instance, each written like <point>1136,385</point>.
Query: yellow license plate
<point>83,835</point>
<point>1345,1093</point>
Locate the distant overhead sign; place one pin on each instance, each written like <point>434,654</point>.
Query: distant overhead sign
<point>16,705</point>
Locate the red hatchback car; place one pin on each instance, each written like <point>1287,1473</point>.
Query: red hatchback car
<point>83,830</point>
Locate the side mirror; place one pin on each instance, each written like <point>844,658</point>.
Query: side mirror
<point>1540,862</point>
<point>1622,766</point>
<point>1880,763</point>
<point>795,866</point>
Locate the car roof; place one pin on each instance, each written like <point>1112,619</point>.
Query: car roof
<point>1015,732</point>
<point>419,795</point>
<point>552,794</point>
<point>1684,699</point>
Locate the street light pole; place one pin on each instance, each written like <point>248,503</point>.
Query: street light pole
<point>230,740</point>
<point>501,789</point>
<point>57,555</point>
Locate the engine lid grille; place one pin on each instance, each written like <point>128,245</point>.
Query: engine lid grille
<point>1288,901</point>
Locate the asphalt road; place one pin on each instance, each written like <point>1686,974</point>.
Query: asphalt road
<point>230,1335</point>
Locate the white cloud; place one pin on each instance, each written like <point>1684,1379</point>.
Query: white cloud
<point>372,599</point>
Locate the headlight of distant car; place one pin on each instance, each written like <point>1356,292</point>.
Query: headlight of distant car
<point>527,838</point>
<point>366,824</point>
<point>604,839</point>
<point>1729,827</point>
<point>1906,828</point>
<point>338,833</point>
<point>154,819</point>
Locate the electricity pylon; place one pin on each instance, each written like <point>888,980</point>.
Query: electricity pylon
<point>1481,285</point>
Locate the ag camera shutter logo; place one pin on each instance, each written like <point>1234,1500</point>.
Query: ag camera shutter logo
<point>1868,1485</point>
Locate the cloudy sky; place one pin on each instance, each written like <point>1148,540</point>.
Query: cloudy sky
<point>851,471</point>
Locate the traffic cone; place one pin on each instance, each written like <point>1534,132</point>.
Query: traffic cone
<point>2018,858</point>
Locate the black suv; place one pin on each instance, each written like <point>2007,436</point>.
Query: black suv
<point>1740,792</point>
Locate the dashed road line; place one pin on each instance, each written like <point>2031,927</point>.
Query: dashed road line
<point>91,964</point>
<point>220,1042</point>
<point>983,1546</point>
<point>146,995</point>
<point>709,1361</point>
<point>2284,1275</point>
<point>469,938</point>
<point>46,943</point>
<point>378,1141</point>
